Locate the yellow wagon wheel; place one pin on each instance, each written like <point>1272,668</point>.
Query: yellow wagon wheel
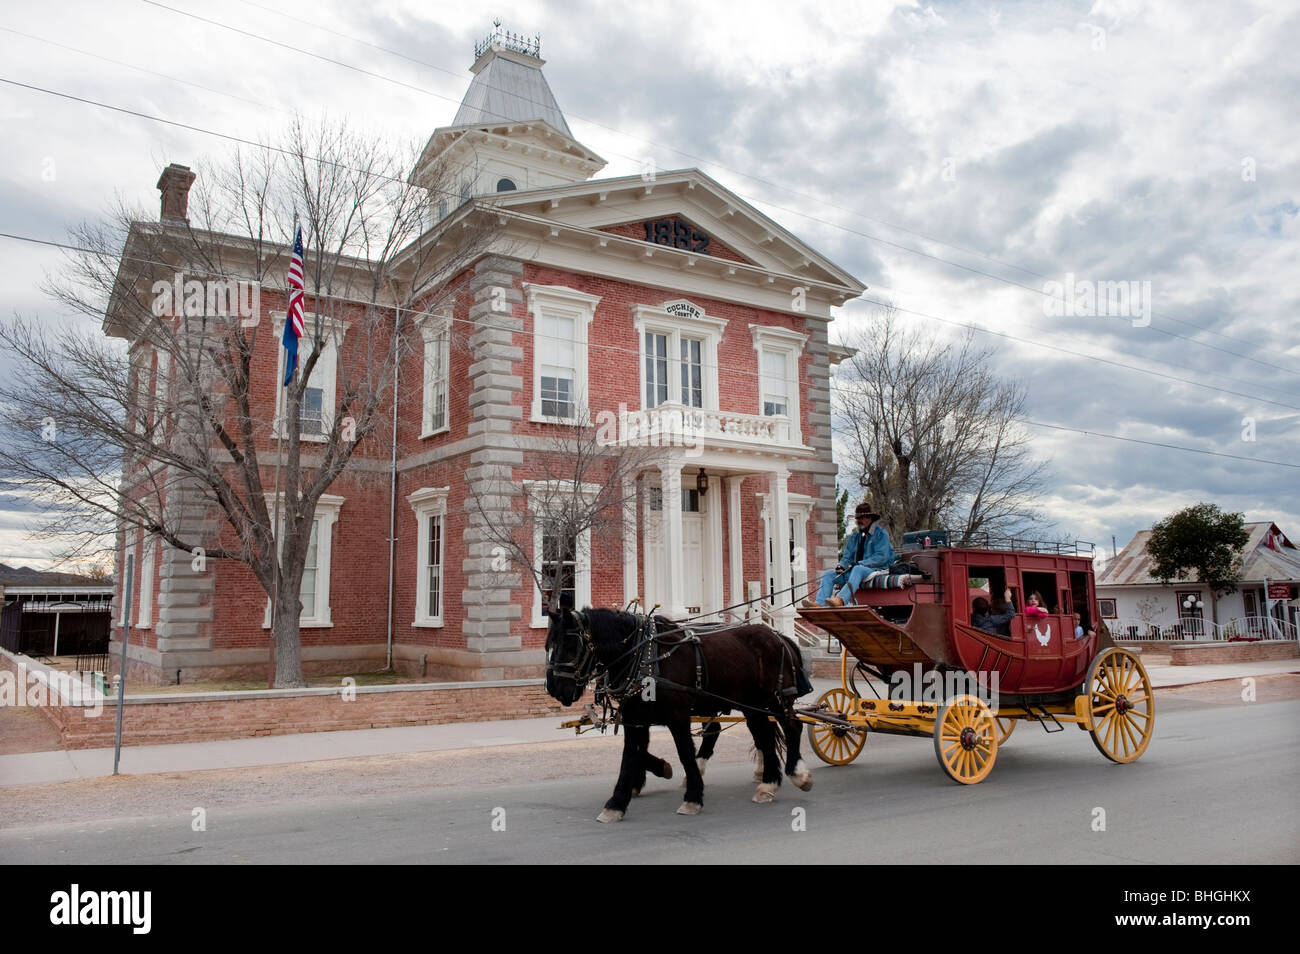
<point>1005,728</point>
<point>836,744</point>
<point>1121,705</point>
<point>966,739</point>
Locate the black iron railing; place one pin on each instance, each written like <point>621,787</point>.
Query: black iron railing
<point>982,540</point>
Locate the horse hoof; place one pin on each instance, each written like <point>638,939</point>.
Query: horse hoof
<point>801,777</point>
<point>608,815</point>
<point>766,793</point>
<point>667,771</point>
<point>689,808</point>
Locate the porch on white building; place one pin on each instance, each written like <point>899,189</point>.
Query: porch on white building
<point>693,527</point>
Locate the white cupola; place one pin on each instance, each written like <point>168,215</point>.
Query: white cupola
<point>509,132</point>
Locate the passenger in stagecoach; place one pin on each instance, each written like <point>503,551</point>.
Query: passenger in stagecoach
<point>867,552</point>
<point>996,624</point>
<point>1079,631</point>
<point>1034,608</point>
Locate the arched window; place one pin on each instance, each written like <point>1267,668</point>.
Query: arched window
<point>505,185</point>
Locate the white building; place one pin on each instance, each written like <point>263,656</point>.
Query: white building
<point>1134,605</point>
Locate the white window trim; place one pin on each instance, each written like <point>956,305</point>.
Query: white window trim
<point>431,327</point>
<point>791,344</point>
<point>144,584</point>
<point>657,320</point>
<point>563,302</point>
<point>328,363</point>
<point>429,502</point>
<point>327,512</point>
<point>582,571</point>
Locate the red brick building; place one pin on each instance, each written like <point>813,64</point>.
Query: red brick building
<point>661,293</point>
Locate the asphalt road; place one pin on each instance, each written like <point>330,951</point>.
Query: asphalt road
<point>1218,784</point>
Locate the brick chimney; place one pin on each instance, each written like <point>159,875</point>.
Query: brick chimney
<point>174,184</point>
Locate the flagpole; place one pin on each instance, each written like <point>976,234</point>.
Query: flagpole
<point>276,529</point>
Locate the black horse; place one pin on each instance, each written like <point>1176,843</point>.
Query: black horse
<point>661,674</point>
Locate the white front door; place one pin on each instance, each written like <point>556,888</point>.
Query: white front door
<point>696,571</point>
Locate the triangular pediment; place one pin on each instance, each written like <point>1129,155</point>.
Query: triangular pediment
<point>721,224</point>
<point>678,231</point>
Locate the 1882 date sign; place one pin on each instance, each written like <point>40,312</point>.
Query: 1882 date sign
<point>676,234</point>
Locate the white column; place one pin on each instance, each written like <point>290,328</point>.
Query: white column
<point>712,562</point>
<point>735,542</point>
<point>779,515</point>
<point>674,583</point>
<point>629,538</point>
<point>56,633</point>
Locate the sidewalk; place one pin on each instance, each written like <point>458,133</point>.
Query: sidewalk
<point>37,768</point>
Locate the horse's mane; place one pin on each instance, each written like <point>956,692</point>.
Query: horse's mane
<point>610,627</point>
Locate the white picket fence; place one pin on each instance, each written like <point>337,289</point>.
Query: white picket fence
<point>1192,629</point>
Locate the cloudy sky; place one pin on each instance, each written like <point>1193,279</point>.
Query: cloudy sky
<point>956,157</point>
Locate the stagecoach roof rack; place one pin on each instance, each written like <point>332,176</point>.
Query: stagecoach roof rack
<point>985,540</point>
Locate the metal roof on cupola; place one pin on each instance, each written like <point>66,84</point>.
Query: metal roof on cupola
<point>509,132</point>
<point>509,84</point>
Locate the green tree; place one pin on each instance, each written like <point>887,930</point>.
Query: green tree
<point>1200,542</point>
<point>841,504</point>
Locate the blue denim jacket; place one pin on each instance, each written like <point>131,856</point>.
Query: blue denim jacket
<point>878,553</point>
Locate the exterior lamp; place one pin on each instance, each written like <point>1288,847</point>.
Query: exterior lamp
<point>702,482</point>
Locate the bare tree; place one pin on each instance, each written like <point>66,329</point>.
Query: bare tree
<point>582,483</point>
<point>933,436</point>
<point>186,431</point>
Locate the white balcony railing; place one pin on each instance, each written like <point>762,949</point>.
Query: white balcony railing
<point>679,425</point>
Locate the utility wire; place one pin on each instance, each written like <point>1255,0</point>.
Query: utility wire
<point>1178,447</point>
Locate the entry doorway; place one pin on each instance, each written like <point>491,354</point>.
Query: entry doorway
<point>697,572</point>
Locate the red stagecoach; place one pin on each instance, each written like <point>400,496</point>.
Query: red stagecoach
<point>967,688</point>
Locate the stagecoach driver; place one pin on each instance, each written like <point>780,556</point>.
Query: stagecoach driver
<point>867,551</point>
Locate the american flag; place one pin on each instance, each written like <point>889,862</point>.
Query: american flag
<point>293,326</point>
